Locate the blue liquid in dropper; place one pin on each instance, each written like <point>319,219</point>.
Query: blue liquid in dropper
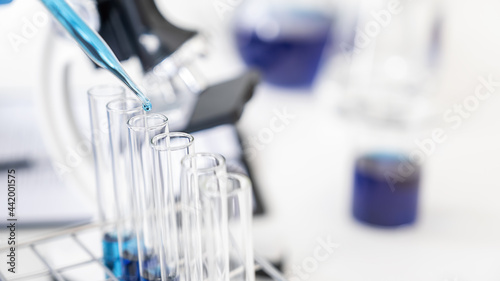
<point>111,254</point>
<point>147,106</point>
<point>92,44</point>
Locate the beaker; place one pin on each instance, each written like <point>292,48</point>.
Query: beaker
<point>388,78</point>
<point>98,98</point>
<point>387,171</point>
<point>119,112</point>
<point>285,40</point>
<point>149,208</point>
<point>169,150</point>
<point>394,57</point>
<point>206,174</point>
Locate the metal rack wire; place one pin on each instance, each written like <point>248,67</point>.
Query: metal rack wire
<point>90,259</point>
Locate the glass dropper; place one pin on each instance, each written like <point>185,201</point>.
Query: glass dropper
<point>93,45</point>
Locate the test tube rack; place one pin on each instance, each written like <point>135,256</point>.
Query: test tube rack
<point>47,253</point>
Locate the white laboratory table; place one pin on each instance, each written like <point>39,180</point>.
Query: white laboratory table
<point>305,172</point>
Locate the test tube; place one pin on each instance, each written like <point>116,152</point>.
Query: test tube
<point>98,98</point>
<point>152,218</point>
<point>206,173</point>
<point>239,198</point>
<point>119,112</point>
<point>169,150</point>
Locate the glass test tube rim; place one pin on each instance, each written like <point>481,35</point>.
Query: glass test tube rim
<point>220,160</point>
<point>170,135</point>
<point>137,128</point>
<point>245,185</point>
<point>113,106</point>
<point>103,90</point>
<point>219,169</point>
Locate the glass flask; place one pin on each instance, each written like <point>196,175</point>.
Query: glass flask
<point>285,40</point>
<point>387,171</point>
<point>390,64</point>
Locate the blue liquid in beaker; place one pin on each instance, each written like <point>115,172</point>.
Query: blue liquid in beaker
<point>151,271</point>
<point>385,189</point>
<point>289,56</point>
<point>111,255</point>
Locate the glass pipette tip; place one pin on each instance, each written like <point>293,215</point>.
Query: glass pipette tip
<point>93,45</point>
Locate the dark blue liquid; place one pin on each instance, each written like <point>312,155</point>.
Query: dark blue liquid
<point>292,57</point>
<point>157,278</point>
<point>130,267</point>
<point>111,256</point>
<point>151,271</point>
<point>385,190</point>
<point>130,260</point>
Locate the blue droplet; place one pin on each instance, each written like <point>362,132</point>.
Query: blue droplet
<point>147,106</point>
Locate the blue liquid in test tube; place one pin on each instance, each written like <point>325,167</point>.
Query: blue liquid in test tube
<point>111,254</point>
<point>383,195</point>
<point>151,271</point>
<point>130,267</point>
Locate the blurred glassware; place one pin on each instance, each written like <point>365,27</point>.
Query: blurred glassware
<point>388,75</point>
<point>383,195</point>
<point>241,259</point>
<point>387,172</point>
<point>205,179</point>
<point>284,39</point>
<point>390,68</point>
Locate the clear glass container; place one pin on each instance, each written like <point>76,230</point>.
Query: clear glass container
<point>387,171</point>
<point>391,64</point>
<point>119,112</point>
<point>149,208</point>
<point>169,150</point>
<point>206,174</point>
<point>98,98</point>
<point>239,201</point>
<point>285,40</point>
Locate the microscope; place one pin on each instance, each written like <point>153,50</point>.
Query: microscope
<point>163,55</point>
